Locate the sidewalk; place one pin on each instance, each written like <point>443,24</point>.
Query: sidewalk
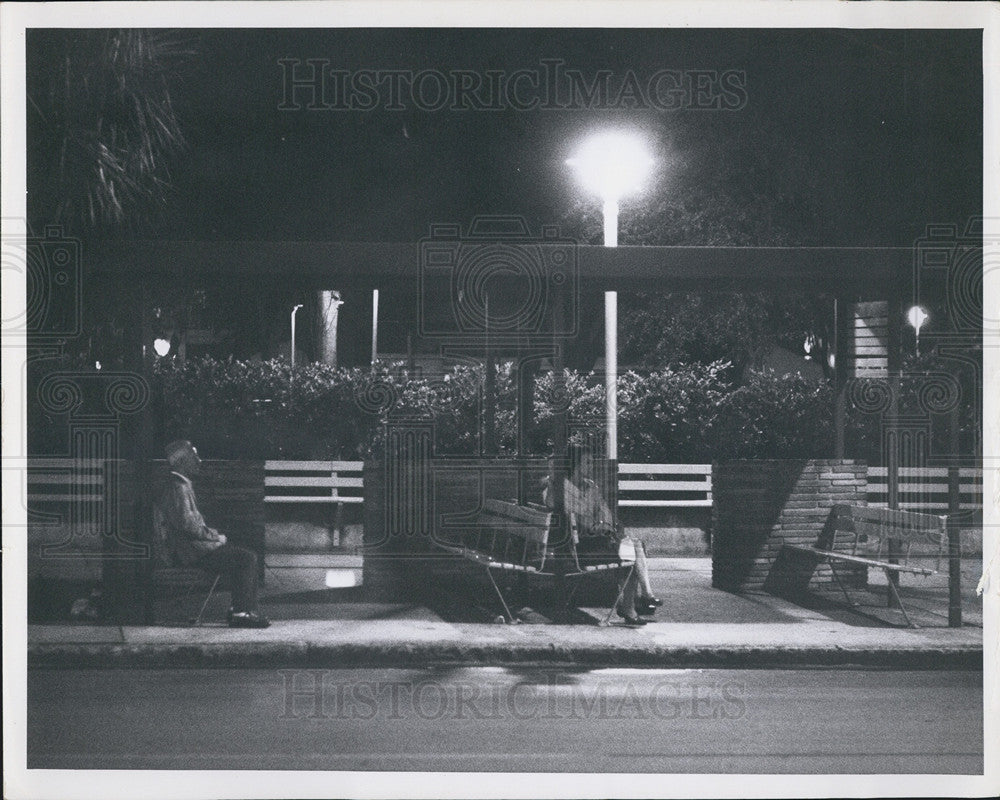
<point>698,626</point>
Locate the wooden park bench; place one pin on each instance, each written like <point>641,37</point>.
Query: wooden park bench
<point>69,509</point>
<point>877,537</point>
<point>665,485</point>
<point>517,540</point>
<point>331,483</point>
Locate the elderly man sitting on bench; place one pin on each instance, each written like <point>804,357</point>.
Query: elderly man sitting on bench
<point>192,543</point>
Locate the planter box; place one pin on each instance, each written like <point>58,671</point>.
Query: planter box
<point>761,505</point>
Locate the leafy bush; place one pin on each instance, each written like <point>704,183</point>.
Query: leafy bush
<point>256,410</point>
<point>772,416</point>
<point>694,414</point>
<point>687,414</point>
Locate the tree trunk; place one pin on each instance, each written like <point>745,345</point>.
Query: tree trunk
<point>328,302</point>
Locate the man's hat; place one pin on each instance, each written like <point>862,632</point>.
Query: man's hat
<point>175,451</point>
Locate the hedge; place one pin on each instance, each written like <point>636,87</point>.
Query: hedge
<point>692,414</point>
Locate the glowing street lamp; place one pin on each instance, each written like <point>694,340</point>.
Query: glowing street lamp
<point>612,165</point>
<point>916,316</point>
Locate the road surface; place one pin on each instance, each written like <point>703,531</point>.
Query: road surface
<point>504,719</point>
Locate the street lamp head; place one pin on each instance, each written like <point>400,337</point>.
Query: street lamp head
<point>612,164</point>
<point>916,316</point>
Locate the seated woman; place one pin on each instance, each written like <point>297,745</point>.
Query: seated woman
<point>597,533</point>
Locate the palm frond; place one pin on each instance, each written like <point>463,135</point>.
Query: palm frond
<point>114,128</point>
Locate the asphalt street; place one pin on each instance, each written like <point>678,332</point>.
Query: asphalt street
<point>506,719</point>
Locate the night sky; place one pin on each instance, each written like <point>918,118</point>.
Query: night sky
<point>875,133</point>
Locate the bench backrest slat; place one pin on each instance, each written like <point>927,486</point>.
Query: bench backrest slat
<point>316,481</point>
<point>48,477</point>
<point>314,466</point>
<point>664,469</point>
<point>516,534</point>
<point>868,530</point>
<point>326,481</point>
<point>663,485</point>
<point>904,522</point>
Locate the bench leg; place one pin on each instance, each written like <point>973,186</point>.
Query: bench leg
<point>566,588</point>
<point>621,593</point>
<point>895,594</point>
<point>197,620</point>
<point>179,601</point>
<point>840,583</point>
<point>338,524</point>
<point>510,617</point>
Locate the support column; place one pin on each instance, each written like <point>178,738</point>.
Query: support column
<point>374,326</point>
<point>611,367</point>
<point>489,443</point>
<point>842,324</point>
<point>611,394</point>
<point>559,465</point>
<point>894,332</point>
<point>954,528</point>
<point>328,309</point>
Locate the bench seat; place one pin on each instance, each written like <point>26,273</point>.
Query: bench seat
<point>866,561</point>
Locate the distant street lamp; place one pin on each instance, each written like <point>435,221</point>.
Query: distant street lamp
<point>293,333</point>
<point>612,165</point>
<point>161,347</point>
<point>916,316</point>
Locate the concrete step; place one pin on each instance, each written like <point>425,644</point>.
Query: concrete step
<point>313,571</point>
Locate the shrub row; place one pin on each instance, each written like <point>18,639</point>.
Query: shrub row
<point>694,413</point>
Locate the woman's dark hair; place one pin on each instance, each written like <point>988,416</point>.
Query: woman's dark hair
<point>575,454</point>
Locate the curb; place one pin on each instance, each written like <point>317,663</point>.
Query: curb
<point>259,655</point>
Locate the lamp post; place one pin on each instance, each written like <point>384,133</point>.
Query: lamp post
<point>612,165</point>
<point>916,316</point>
<point>296,308</point>
<point>374,326</point>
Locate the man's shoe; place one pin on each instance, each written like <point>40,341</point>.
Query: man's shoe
<point>655,602</point>
<point>645,609</point>
<point>249,619</point>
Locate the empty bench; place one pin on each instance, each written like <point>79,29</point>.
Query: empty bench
<point>513,539</point>
<point>68,513</point>
<point>326,482</point>
<point>665,485</point>
<point>877,537</point>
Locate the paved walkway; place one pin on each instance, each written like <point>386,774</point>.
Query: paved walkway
<point>697,626</point>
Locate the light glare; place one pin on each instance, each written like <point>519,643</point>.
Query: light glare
<point>916,316</point>
<point>612,164</point>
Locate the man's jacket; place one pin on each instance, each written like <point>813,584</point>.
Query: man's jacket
<point>180,532</point>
